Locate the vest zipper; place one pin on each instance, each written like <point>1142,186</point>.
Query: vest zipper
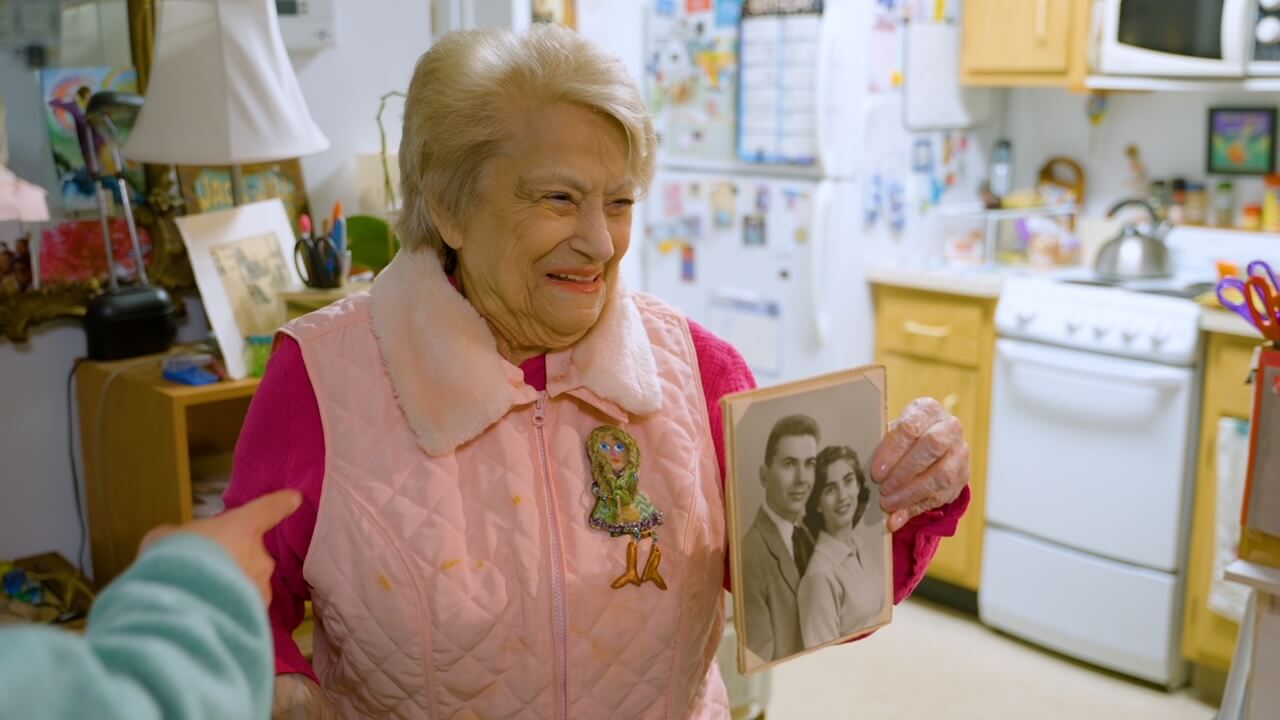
<point>557,565</point>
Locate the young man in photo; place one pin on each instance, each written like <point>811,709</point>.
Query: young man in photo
<point>776,548</point>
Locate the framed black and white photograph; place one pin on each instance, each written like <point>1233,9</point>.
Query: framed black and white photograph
<point>812,565</point>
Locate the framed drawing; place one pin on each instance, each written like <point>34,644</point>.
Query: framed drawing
<point>555,11</point>
<point>243,261</point>
<point>813,565</point>
<point>205,189</point>
<point>1242,141</point>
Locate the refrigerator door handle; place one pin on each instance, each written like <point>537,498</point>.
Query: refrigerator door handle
<point>818,265</point>
<point>821,89</point>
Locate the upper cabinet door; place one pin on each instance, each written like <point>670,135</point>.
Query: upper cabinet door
<point>1017,36</point>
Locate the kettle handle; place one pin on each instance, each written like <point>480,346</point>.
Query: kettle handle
<point>1155,219</point>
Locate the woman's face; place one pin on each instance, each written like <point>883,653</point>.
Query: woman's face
<point>613,448</point>
<point>839,497</point>
<point>540,248</point>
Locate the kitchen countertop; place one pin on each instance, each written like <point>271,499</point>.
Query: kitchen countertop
<point>986,283</point>
<point>972,283</point>
<point>1227,323</point>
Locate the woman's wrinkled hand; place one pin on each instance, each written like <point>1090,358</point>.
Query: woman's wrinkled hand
<point>299,698</point>
<point>922,462</point>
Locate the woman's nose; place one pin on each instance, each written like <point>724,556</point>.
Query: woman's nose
<point>593,238</point>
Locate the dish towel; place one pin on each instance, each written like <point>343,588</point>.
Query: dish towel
<point>1228,598</point>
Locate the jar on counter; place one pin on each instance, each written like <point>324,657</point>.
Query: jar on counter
<point>1251,217</point>
<point>1224,205</point>
<point>1271,204</point>
<point>1196,210</point>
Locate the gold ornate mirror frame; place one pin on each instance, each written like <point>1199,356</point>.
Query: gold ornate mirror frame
<point>169,267</point>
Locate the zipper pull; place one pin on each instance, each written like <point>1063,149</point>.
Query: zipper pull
<point>539,407</point>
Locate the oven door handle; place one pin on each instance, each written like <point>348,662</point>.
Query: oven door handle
<point>1155,377</point>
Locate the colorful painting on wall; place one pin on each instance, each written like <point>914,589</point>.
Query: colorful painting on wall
<point>205,189</point>
<point>66,93</point>
<point>1242,141</point>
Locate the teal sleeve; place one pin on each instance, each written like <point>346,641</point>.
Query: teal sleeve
<point>181,634</point>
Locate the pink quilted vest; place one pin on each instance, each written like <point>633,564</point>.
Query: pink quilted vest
<point>452,569</point>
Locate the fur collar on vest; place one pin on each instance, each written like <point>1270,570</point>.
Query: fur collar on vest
<point>452,383</point>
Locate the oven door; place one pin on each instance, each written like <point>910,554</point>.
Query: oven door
<point>1196,38</point>
<point>1090,452</point>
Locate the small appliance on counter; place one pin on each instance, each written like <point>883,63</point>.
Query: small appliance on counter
<point>1134,255</point>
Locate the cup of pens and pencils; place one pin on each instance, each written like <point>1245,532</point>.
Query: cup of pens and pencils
<point>322,258</point>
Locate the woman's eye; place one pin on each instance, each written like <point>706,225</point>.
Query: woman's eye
<point>560,197</point>
<point>624,202</point>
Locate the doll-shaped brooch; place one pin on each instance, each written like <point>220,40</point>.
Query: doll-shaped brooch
<point>621,508</point>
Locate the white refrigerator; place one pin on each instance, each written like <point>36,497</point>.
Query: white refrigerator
<point>753,224</point>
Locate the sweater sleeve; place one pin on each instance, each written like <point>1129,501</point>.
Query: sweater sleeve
<point>281,446</point>
<point>724,371</point>
<point>182,633</point>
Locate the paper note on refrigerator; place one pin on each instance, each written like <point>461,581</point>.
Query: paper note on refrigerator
<point>750,323</point>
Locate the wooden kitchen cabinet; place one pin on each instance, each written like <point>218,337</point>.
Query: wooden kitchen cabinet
<point>1208,638</point>
<point>942,346</point>
<point>1010,43</point>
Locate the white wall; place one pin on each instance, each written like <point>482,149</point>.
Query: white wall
<point>1168,128</point>
<point>378,43</point>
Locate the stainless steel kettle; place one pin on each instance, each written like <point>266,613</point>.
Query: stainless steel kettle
<point>1132,255</point>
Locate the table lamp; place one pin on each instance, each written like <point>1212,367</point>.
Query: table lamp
<point>222,91</point>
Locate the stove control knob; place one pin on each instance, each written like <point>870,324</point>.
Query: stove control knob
<point>1128,335</point>
<point>1158,340</point>
<point>1268,30</point>
<point>1024,317</point>
<point>1073,326</point>
<point>1100,331</point>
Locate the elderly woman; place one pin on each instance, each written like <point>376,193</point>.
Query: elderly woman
<point>838,594</point>
<point>438,426</point>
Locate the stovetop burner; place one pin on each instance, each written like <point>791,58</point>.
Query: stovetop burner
<point>1188,291</point>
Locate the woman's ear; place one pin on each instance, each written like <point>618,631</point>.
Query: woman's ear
<point>450,231</point>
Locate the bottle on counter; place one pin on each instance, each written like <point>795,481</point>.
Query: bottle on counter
<point>1178,202</point>
<point>1002,169</point>
<point>1196,210</point>
<point>1271,204</point>
<point>1159,197</point>
<point>1224,205</point>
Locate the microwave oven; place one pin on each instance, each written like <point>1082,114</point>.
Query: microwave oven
<point>1186,38</point>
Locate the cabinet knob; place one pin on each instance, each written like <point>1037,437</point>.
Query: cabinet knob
<point>1268,31</point>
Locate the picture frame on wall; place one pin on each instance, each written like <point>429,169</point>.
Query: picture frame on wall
<point>206,189</point>
<point>242,258</point>
<point>561,12</point>
<point>1241,141</point>
<point>797,457</point>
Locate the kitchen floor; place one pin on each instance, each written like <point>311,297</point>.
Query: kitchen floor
<point>933,662</point>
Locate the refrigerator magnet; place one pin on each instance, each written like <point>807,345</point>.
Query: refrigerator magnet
<point>753,231</point>
<point>673,200</point>
<point>688,271</point>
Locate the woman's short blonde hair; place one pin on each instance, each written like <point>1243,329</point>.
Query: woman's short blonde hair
<point>463,103</point>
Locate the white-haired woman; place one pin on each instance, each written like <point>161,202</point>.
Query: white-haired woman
<point>438,425</point>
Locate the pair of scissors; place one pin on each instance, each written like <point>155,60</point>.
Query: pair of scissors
<point>1258,301</point>
<point>317,260</point>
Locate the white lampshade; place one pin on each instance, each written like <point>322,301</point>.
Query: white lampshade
<point>222,90</point>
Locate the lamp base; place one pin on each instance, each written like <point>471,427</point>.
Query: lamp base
<point>130,321</point>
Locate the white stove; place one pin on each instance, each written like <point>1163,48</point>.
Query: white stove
<point>1093,426</point>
